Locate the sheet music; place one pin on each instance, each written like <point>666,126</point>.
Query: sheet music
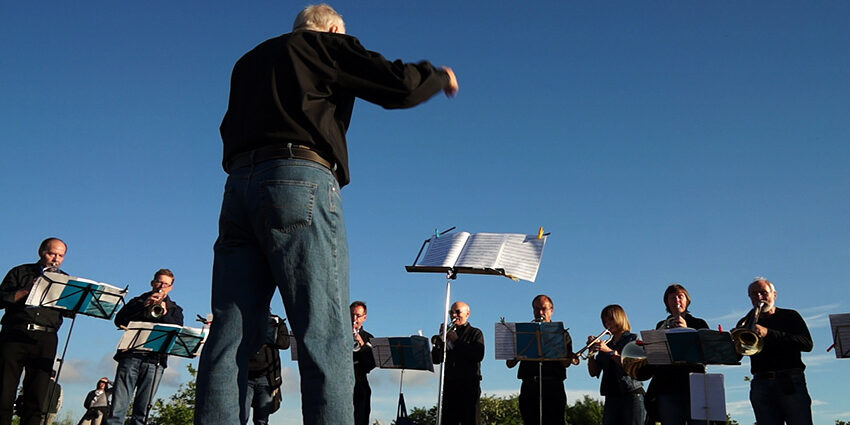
<point>840,324</point>
<point>708,397</point>
<point>505,340</point>
<point>411,353</point>
<point>60,291</point>
<point>521,255</point>
<point>154,337</point>
<point>444,251</point>
<point>655,344</point>
<point>482,250</point>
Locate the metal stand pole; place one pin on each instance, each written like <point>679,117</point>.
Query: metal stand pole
<point>449,276</point>
<point>61,361</point>
<point>150,393</point>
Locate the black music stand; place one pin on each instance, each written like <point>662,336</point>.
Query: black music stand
<point>413,353</point>
<point>533,341</point>
<point>71,296</point>
<point>840,324</point>
<point>161,338</point>
<point>514,256</point>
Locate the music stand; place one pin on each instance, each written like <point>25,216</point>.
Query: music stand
<point>695,346</point>
<point>71,296</point>
<point>532,341</point>
<point>840,324</point>
<point>161,338</point>
<point>413,353</point>
<point>512,255</point>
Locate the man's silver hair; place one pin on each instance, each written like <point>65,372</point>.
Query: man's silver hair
<point>762,278</point>
<point>317,17</point>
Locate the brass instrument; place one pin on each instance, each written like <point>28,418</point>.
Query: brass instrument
<point>437,340</point>
<point>633,357</point>
<point>580,354</point>
<point>672,322</point>
<point>156,310</point>
<point>746,339</point>
<point>355,331</point>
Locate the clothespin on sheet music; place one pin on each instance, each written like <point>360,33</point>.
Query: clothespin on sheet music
<point>436,233</point>
<point>540,233</point>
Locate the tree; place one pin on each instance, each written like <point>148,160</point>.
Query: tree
<point>180,407</point>
<point>505,411</point>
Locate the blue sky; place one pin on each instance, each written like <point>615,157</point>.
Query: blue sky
<point>695,142</point>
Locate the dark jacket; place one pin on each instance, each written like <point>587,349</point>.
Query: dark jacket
<point>135,310</point>
<point>463,361</point>
<point>23,277</point>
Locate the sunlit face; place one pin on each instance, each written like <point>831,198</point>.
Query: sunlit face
<point>761,291</point>
<point>543,310</point>
<point>459,313</point>
<point>677,302</point>
<point>358,316</point>
<point>53,255</point>
<point>162,283</point>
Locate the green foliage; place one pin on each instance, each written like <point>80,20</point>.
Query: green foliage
<point>180,407</point>
<point>837,422</point>
<point>505,411</point>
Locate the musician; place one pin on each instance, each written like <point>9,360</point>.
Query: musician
<point>264,374</point>
<point>464,352</point>
<point>136,370</point>
<point>668,397</point>
<point>552,375</point>
<point>623,394</point>
<point>364,362</point>
<point>28,336</point>
<point>778,390</point>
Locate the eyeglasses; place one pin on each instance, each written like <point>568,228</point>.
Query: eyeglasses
<point>357,316</point>
<point>161,283</point>
<point>458,312</point>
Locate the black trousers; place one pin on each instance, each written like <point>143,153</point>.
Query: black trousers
<point>554,402</point>
<point>362,399</point>
<point>34,351</point>
<point>462,402</point>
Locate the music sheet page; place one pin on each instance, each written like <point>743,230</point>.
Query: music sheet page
<point>444,251</point>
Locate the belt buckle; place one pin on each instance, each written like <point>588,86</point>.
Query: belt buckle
<point>34,327</point>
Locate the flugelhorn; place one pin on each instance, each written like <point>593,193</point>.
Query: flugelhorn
<point>437,340</point>
<point>580,354</point>
<point>355,331</point>
<point>746,339</point>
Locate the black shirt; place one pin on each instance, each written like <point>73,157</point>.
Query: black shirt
<point>463,360</point>
<point>135,310</point>
<point>300,87</point>
<point>787,336</point>
<point>17,313</point>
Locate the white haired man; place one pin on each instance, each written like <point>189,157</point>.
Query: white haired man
<point>778,391</point>
<point>281,223</point>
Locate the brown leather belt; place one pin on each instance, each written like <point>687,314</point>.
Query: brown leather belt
<point>267,153</point>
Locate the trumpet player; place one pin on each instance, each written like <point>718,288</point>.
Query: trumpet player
<point>668,396</point>
<point>364,362</point>
<point>543,381</point>
<point>778,391</point>
<point>464,352</point>
<point>140,372</point>
<point>623,394</point>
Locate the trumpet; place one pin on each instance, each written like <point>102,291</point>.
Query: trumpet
<point>746,339</point>
<point>580,354</point>
<point>672,322</point>
<point>355,331</point>
<point>437,340</point>
<point>155,310</point>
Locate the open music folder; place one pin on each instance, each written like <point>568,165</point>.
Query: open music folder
<point>76,295</point>
<point>513,255</point>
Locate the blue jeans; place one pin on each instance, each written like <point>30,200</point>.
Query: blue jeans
<point>784,399</point>
<point>259,395</point>
<point>281,225</point>
<point>133,375</point>
<point>626,409</point>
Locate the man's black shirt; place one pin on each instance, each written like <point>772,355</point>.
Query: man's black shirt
<point>300,88</point>
<point>22,277</point>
